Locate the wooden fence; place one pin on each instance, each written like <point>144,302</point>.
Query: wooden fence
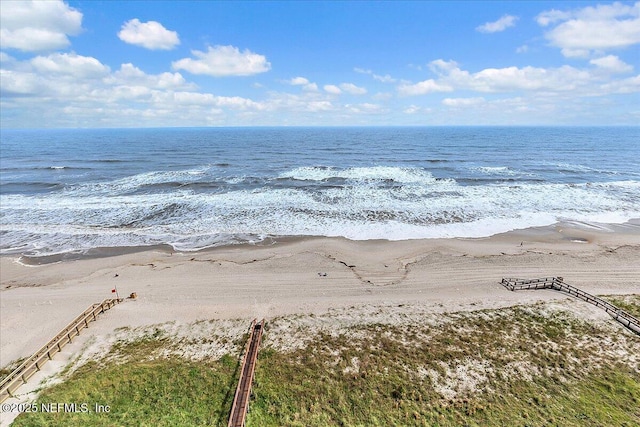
<point>558,284</point>
<point>33,364</point>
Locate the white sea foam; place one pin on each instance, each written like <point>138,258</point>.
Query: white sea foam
<point>398,174</point>
<point>496,170</point>
<point>419,209</point>
<point>131,183</point>
<point>377,183</point>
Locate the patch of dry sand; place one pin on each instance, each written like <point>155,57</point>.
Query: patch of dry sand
<point>326,283</point>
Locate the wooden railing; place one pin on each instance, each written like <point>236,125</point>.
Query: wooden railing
<point>558,284</point>
<point>33,364</point>
<point>243,391</point>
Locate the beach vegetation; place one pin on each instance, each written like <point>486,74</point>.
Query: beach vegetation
<point>6,370</point>
<point>519,366</point>
<point>628,303</point>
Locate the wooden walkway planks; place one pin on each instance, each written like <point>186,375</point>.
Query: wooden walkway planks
<point>30,366</point>
<point>243,392</point>
<point>558,284</point>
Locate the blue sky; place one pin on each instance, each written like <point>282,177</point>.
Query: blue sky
<point>204,63</point>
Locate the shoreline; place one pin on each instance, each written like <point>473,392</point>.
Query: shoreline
<point>578,231</point>
<point>311,275</point>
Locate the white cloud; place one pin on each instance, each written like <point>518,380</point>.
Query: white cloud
<point>305,83</point>
<point>423,88</point>
<point>412,109</point>
<point>440,66</point>
<point>238,102</point>
<point>552,16</point>
<point>316,106</point>
<point>501,24</point>
<point>34,26</point>
<point>71,90</point>
<point>562,79</point>
<point>298,81</point>
<point>72,78</point>
<point>505,79</point>
<point>384,79</point>
<point>462,102</point>
<point>539,81</point>
<point>150,35</point>
<point>129,74</point>
<point>629,85</point>
<point>353,89</point>
<point>612,63</point>
<point>311,87</point>
<point>332,89</point>
<point>70,64</point>
<point>219,61</point>
<point>296,103</point>
<point>5,57</point>
<point>365,108</point>
<point>190,98</point>
<point>576,53</point>
<point>522,49</point>
<point>595,28</point>
<point>204,99</point>
<point>18,84</point>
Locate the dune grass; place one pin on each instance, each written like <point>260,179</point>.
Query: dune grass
<point>515,367</point>
<point>168,391</point>
<point>389,376</point>
<point>629,303</point>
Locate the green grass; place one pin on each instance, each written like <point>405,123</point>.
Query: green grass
<point>309,387</point>
<point>160,392</point>
<point>373,375</point>
<point>629,303</point>
<point>392,400</point>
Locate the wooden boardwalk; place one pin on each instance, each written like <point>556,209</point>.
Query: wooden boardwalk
<point>33,364</point>
<point>558,284</point>
<point>243,392</point>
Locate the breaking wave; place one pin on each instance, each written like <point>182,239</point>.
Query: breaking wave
<point>392,203</point>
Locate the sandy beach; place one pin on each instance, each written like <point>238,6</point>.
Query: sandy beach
<point>357,281</point>
<point>310,275</point>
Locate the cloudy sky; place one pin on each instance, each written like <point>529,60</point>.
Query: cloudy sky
<point>155,64</point>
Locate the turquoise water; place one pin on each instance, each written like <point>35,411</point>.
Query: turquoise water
<point>72,190</point>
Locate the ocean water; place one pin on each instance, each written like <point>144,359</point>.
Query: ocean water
<point>74,190</point>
